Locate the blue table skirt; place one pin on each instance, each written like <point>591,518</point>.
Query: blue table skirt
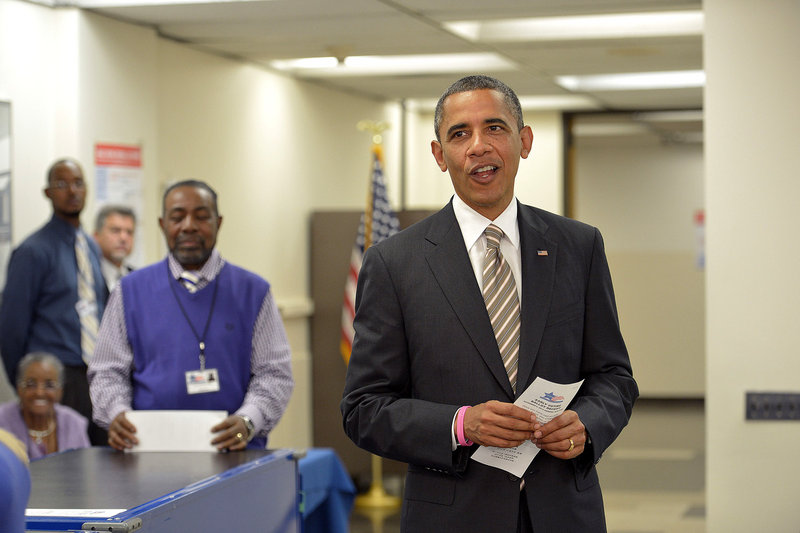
<point>328,492</point>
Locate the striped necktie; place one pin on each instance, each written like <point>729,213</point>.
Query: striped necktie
<point>190,281</point>
<point>502,302</point>
<point>87,299</point>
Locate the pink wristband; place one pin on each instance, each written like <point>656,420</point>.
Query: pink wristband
<point>462,440</point>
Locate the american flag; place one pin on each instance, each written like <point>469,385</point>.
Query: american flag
<point>552,398</point>
<point>378,222</point>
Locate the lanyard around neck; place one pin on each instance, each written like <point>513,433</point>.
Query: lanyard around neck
<point>200,340</point>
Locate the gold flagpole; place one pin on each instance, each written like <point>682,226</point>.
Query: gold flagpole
<point>376,498</point>
<point>375,128</point>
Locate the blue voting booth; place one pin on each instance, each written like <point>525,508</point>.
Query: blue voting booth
<point>98,489</point>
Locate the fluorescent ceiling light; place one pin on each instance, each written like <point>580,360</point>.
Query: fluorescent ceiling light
<point>623,25</point>
<point>565,101</point>
<point>136,3</point>
<point>306,63</point>
<point>571,102</point>
<point>324,67</point>
<point>634,81</point>
<point>606,129</point>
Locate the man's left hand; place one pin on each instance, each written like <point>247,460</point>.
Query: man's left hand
<point>231,434</point>
<point>563,437</point>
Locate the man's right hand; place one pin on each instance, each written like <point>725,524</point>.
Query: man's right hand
<point>122,433</point>
<point>500,424</point>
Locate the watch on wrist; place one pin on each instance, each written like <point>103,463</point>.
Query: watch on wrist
<point>251,429</point>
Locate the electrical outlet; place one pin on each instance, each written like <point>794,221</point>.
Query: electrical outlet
<point>772,406</point>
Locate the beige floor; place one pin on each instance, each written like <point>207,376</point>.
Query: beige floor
<point>653,477</point>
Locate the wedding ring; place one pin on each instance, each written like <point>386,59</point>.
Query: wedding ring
<point>571,445</point>
<point>239,436</point>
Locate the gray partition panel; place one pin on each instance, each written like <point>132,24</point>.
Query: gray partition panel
<point>333,234</point>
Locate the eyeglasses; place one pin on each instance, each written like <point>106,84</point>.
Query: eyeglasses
<point>62,185</point>
<point>48,385</point>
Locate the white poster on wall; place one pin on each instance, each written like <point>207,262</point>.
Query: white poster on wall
<point>118,180</point>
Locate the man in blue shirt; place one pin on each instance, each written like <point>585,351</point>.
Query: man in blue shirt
<point>41,308</point>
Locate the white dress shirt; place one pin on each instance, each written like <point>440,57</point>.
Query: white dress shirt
<point>472,225</point>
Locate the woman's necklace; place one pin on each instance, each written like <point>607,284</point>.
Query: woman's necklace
<point>38,436</point>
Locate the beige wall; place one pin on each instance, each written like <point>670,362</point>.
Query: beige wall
<point>539,179</point>
<point>753,287</point>
<point>117,102</point>
<point>275,149</point>
<point>643,194</point>
<point>264,143</point>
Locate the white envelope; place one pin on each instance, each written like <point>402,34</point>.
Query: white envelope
<point>175,431</point>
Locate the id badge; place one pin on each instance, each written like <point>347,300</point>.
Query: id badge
<point>201,381</point>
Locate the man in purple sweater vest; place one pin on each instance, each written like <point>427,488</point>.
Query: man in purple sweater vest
<point>192,332</point>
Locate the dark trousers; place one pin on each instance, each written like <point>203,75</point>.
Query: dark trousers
<point>524,521</point>
<point>76,395</point>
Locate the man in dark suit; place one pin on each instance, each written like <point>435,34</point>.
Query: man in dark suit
<point>426,382</point>
<point>50,303</point>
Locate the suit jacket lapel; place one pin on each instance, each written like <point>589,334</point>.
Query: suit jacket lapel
<point>449,262</point>
<point>538,273</point>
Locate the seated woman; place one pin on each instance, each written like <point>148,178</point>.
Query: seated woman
<point>38,420</point>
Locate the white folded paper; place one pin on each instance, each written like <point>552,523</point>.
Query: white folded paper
<point>546,400</point>
<point>175,431</point>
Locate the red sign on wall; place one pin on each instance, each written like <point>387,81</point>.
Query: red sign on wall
<point>117,155</point>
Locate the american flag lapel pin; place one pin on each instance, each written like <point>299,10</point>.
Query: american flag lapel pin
<point>541,252</point>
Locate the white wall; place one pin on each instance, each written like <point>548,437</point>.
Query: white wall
<point>28,80</point>
<point>753,287</point>
<point>427,187</point>
<point>540,176</point>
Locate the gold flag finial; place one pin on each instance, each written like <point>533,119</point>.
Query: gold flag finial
<point>375,128</point>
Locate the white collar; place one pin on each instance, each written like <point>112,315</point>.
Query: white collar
<point>473,224</point>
